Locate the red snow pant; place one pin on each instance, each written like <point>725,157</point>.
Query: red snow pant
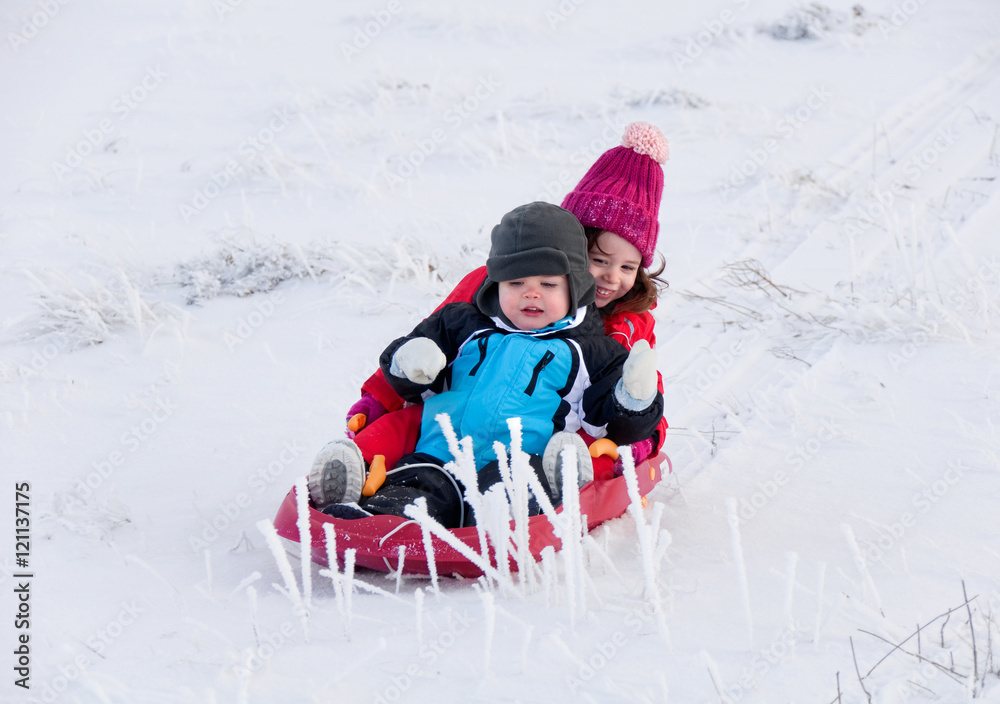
<point>393,435</point>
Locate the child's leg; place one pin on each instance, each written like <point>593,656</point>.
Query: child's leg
<point>419,475</point>
<point>393,435</point>
<point>604,467</point>
<point>489,475</point>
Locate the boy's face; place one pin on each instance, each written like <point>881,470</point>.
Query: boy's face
<point>533,302</point>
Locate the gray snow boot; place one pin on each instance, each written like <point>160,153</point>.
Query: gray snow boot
<point>553,465</point>
<point>337,475</point>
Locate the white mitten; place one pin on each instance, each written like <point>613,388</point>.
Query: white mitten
<point>639,372</point>
<point>420,360</point>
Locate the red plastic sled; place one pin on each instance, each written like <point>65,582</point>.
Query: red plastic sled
<point>377,539</point>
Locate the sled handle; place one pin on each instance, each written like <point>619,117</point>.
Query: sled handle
<point>604,446</point>
<point>357,422</point>
<point>376,476</point>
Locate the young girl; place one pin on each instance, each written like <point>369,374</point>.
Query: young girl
<point>618,202</point>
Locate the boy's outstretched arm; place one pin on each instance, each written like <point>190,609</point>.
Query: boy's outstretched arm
<point>639,379</point>
<point>419,360</point>
<point>413,365</point>
<point>378,397</point>
<point>623,398</point>
<point>416,363</point>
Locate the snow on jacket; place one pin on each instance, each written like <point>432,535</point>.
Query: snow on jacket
<point>561,377</point>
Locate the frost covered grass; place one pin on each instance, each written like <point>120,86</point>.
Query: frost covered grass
<point>85,314</point>
<point>245,269</point>
<point>568,583</point>
<point>145,302</point>
<point>561,578</point>
<point>939,658</point>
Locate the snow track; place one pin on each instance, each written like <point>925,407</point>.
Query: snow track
<point>774,314</point>
<point>876,242</point>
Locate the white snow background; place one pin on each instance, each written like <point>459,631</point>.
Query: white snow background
<point>214,215</point>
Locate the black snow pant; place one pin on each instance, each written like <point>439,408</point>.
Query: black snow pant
<point>419,474</point>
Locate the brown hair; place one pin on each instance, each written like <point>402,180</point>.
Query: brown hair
<point>645,290</point>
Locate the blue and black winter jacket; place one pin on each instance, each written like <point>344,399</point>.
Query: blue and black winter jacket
<point>561,377</point>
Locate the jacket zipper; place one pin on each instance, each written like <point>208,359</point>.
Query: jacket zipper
<point>482,355</point>
<point>542,363</point>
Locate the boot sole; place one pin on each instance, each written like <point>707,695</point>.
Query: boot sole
<point>337,476</point>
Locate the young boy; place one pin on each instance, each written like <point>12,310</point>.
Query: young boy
<point>533,346</point>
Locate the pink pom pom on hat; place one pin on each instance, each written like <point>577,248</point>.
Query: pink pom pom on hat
<point>644,138</point>
<point>621,192</point>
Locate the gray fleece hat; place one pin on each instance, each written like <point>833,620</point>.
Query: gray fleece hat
<point>537,239</point>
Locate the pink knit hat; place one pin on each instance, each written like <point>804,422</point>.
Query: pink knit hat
<point>621,193</point>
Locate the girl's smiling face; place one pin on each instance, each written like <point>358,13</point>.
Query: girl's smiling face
<point>614,264</point>
<point>533,302</point>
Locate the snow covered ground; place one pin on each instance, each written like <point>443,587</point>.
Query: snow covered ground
<point>214,216</point>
